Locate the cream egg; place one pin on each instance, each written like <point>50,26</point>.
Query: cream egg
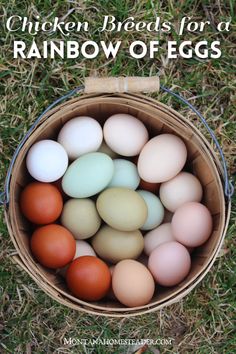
<point>80,135</point>
<point>181,189</point>
<point>125,134</point>
<point>104,148</point>
<point>156,237</point>
<point>47,161</point>
<point>169,263</point>
<point>192,224</point>
<point>162,158</point>
<point>132,283</point>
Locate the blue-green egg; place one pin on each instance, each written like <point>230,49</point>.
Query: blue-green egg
<point>125,175</point>
<point>155,210</point>
<point>88,175</point>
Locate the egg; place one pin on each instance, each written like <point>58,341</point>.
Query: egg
<point>192,224</point>
<point>169,263</point>
<point>88,278</point>
<point>53,246</point>
<point>122,208</point>
<point>108,151</point>
<point>83,248</point>
<point>47,161</point>
<point>125,174</point>
<point>162,158</point>
<point>41,203</point>
<point>181,189</point>
<point>125,134</point>
<point>80,216</point>
<point>88,175</point>
<point>158,236</point>
<point>151,187</point>
<point>80,135</point>
<point>114,245</point>
<point>155,210</point>
<point>132,283</point>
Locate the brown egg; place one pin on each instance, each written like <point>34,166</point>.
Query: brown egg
<point>53,246</point>
<point>88,278</point>
<point>132,283</point>
<point>41,203</point>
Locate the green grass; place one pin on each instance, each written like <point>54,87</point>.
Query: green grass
<point>203,322</point>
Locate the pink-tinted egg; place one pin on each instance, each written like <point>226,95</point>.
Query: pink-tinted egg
<point>169,263</point>
<point>192,224</point>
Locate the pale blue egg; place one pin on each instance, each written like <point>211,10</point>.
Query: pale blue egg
<point>88,175</point>
<point>155,210</point>
<point>125,175</point>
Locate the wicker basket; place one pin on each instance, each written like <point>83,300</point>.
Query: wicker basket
<point>158,118</point>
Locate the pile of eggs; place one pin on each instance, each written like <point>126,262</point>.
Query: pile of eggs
<point>112,211</point>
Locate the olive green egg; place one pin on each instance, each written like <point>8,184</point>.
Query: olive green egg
<point>114,245</point>
<point>122,208</point>
<point>81,218</point>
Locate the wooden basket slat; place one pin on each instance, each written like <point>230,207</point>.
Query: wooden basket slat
<point>199,165</point>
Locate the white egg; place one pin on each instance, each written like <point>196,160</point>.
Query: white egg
<point>83,248</point>
<point>125,134</point>
<point>80,135</point>
<point>181,189</point>
<point>47,161</point>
